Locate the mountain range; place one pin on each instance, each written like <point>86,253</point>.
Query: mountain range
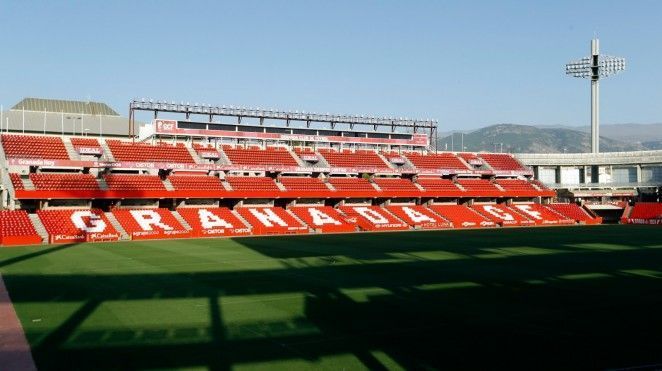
<point>553,139</point>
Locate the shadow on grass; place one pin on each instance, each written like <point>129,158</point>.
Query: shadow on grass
<point>585,307</point>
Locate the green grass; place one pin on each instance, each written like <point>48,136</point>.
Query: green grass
<point>550,298</point>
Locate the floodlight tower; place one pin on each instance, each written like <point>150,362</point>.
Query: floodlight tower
<point>595,67</point>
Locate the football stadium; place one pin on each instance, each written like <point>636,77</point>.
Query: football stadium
<point>248,238</point>
<point>194,236</point>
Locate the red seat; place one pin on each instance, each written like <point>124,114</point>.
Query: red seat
<point>502,214</point>
<point>359,159</point>
<point>64,182</point>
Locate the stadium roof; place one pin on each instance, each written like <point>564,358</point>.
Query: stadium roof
<point>66,106</point>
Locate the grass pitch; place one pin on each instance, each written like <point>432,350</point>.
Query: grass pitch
<point>526,298</point>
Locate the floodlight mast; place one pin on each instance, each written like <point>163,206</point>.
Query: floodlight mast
<point>595,67</point>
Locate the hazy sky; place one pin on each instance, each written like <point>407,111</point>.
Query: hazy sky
<point>465,63</point>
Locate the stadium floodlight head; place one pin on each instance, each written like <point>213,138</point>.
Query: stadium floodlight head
<point>595,67</point>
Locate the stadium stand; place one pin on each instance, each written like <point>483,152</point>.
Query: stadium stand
<point>396,184</point>
<point>419,216</point>
<point>17,229</point>
<point>359,159</point>
<point>196,183</point>
<point>253,183</point>
<point>63,181</point>
<point>502,214</point>
<point>501,161</point>
<point>436,161</point>
<point>323,218</point>
<point>462,216</point>
<point>271,220</point>
<point>479,187</point>
<point>352,184</point>
<point>150,223</point>
<point>89,146</point>
<point>206,151</point>
<point>67,226</point>
<point>126,182</point>
<point>139,152</point>
<point>438,186</point>
<point>540,214</point>
<point>373,218</point>
<point>34,147</point>
<point>575,212</point>
<point>292,183</point>
<point>269,156</point>
<point>16,181</point>
<point>645,213</point>
<point>285,193</point>
<point>211,222</point>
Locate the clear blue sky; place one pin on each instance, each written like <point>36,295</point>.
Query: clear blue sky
<point>465,63</point>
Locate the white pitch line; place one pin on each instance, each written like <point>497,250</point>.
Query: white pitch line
<point>14,348</point>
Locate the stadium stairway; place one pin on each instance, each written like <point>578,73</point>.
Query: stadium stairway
<point>181,220</point>
<point>118,227</point>
<point>39,227</point>
<point>27,184</point>
<point>71,151</point>
<point>295,216</point>
<point>390,165</point>
<point>281,186</point>
<point>107,154</point>
<point>242,219</point>
<point>194,155</point>
<point>167,184</point>
<point>102,184</point>
<point>299,161</point>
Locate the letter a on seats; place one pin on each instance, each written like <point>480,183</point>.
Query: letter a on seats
<point>209,220</point>
<point>267,217</point>
<point>371,215</point>
<point>321,218</point>
<point>148,218</point>
<point>94,225</point>
<point>416,216</point>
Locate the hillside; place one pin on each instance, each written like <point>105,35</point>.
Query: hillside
<point>531,139</point>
